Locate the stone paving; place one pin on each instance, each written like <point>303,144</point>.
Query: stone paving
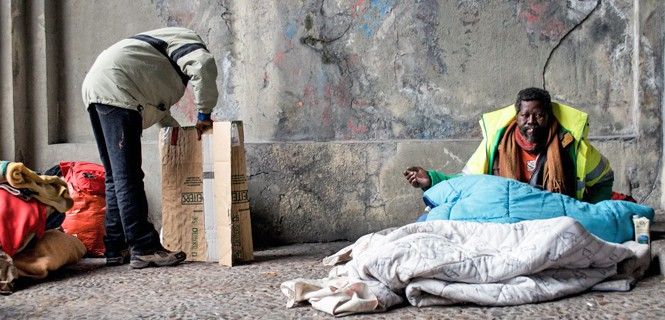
<point>90,290</point>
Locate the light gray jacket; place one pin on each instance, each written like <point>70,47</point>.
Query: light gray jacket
<point>149,73</point>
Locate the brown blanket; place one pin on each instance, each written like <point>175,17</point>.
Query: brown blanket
<point>51,252</point>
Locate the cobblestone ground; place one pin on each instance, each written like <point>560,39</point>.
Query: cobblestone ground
<point>208,291</point>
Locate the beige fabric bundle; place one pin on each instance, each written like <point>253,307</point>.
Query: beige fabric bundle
<point>50,190</point>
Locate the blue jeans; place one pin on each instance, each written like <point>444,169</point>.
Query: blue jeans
<point>118,135</point>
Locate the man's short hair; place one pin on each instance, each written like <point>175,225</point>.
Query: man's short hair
<point>534,94</point>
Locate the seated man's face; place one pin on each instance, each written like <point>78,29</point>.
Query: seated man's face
<point>533,121</point>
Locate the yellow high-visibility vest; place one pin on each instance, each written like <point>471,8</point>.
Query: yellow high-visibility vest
<point>591,166</point>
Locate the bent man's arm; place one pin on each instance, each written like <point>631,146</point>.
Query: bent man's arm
<point>200,66</point>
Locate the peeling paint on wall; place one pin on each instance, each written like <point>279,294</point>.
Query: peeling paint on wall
<point>344,36</point>
<point>374,15</point>
<point>428,14</point>
<point>290,31</point>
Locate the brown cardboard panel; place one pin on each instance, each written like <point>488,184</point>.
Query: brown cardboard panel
<point>234,226</point>
<point>185,221</point>
<point>182,197</point>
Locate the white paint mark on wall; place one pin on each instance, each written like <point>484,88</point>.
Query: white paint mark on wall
<point>228,108</point>
<point>453,156</point>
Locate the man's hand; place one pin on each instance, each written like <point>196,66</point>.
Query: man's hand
<point>418,177</point>
<point>202,126</point>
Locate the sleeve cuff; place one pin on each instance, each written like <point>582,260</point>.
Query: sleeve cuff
<point>203,116</point>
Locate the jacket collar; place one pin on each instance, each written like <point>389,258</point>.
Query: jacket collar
<point>571,119</point>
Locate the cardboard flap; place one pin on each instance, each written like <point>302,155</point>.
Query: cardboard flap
<point>204,197</point>
<point>221,151</point>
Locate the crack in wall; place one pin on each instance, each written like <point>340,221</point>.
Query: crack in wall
<point>312,41</point>
<point>549,57</point>
<point>226,16</point>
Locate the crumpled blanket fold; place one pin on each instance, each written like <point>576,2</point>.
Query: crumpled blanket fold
<point>455,262</point>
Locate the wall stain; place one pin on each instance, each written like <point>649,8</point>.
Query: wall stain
<point>290,31</point>
<point>428,14</point>
<point>469,11</point>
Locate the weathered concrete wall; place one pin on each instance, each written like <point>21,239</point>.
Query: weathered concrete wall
<point>369,87</point>
<point>338,97</point>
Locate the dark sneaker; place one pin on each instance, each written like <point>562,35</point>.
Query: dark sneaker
<point>118,259</point>
<point>159,258</point>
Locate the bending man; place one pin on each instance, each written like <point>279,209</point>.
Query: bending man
<point>130,87</point>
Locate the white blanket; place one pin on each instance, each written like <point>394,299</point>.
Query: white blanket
<point>452,262</point>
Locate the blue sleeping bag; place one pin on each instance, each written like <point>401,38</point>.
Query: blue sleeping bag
<point>486,198</point>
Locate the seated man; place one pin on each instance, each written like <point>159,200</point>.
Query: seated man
<point>539,142</point>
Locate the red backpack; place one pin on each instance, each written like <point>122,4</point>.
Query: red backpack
<point>85,177</point>
<point>85,220</point>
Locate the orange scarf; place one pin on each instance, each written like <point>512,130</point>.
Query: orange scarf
<point>555,178</point>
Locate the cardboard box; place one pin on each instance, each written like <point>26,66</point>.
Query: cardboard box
<point>205,208</point>
<point>229,210</point>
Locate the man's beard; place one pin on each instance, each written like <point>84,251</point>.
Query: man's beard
<point>536,135</point>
